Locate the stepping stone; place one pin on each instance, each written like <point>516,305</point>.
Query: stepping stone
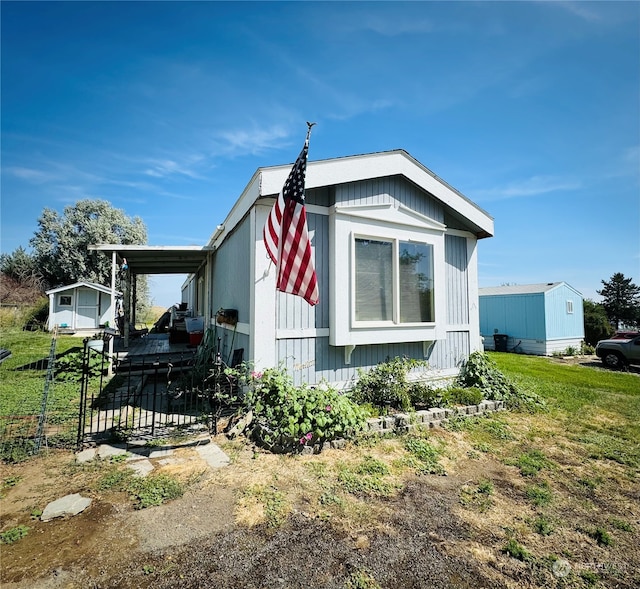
<point>141,467</point>
<point>86,455</point>
<point>107,451</point>
<point>213,456</point>
<point>68,505</point>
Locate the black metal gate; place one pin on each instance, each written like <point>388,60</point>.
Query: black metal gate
<point>151,397</point>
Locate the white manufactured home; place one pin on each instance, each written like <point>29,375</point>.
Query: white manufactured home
<point>395,251</point>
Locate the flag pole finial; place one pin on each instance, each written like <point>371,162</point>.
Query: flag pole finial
<point>309,125</point>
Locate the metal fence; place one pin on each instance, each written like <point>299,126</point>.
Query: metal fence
<point>153,396</point>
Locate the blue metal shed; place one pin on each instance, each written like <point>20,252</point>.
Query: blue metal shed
<point>536,318</point>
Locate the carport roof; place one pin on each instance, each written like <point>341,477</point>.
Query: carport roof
<point>157,259</point>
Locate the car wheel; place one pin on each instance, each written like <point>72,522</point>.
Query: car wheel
<point>613,360</point>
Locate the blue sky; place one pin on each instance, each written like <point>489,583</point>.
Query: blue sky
<point>166,109</point>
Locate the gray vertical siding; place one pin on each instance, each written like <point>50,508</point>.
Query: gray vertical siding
<point>312,360</point>
<point>294,312</point>
<point>450,352</point>
<point>456,261</point>
<point>231,277</point>
<point>393,189</point>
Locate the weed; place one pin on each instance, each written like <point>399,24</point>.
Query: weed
<point>36,513</point>
<point>479,496</point>
<point>14,534</point>
<point>590,578</point>
<point>465,396</point>
<point>620,524</point>
<point>114,479</point>
<point>361,580</point>
<point>543,526</point>
<point>329,498</point>
<point>589,483</point>
<point>515,550</point>
<point>274,502</point>
<point>372,466</point>
<point>425,456</point>
<point>118,458</point>
<point>601,536</point>
<point>147,569</point>
<point>540,495</point>
<point>532,462</point>
<point>8,483</point>
<point>497,429</point>
<point>154,490</point>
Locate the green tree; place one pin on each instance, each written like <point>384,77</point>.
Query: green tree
<point>596,322</point>
<point>60,243</point>
<point>621,301</point>
<point>21,266</point>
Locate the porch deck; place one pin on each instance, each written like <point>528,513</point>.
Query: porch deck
<point>153,344</point>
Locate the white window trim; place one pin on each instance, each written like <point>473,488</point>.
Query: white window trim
<point>569,307</point>
<point>386,223</point>
<point>61,304</point>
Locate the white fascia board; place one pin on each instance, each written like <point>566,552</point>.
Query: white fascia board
<point>91,285</point>
<point>378,165</point>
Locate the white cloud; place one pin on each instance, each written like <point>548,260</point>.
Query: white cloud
<point>533,186</point>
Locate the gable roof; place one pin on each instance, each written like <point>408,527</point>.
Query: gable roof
<point>93,285</point>
<point>267,182</point>
<point>518,289</point>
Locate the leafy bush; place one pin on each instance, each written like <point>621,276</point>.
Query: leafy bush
<point>387,385</point>
<point>293,417</point>
<point>481,372</point>
<point>465,396</point>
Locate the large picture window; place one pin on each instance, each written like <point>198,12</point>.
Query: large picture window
<point>394,281</point>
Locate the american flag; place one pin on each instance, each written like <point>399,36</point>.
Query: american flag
<point>286,236</point>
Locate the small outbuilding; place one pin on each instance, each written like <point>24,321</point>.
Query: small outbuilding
<point>80,306</point>
<point>535,319</point>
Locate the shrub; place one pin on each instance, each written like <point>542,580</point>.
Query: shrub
<point>465,396</point>
<point>293,417</point>
<point>386,384</point>
<point>481,372</point>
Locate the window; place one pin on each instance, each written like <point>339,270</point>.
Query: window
<point>569,307</point>
<point>65,300</point>
<point>393,281</point>
<point>387,276</point>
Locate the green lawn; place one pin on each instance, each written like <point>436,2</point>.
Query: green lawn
<point>597,407</point>
<point>22,382</point>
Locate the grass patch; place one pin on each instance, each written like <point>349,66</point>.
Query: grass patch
<point>423,456</point>
<point>543,525</point>
<point>515,550</point>
<point>275,507</point>
<point>600,535</point>
<point>477,496</point>
<point>539,495</point>
<point>531,463</point>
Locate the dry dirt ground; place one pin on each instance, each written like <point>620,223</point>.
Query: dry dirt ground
<point>218,535</point>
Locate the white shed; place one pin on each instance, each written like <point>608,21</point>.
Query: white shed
<point>83,305</point>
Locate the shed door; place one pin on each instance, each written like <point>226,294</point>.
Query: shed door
<point>87,310</point>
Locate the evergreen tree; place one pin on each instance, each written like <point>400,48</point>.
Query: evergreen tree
<point>621,301</point>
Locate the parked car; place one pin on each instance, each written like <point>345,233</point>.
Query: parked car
<point>625,334</point>
<point>617,353</point>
